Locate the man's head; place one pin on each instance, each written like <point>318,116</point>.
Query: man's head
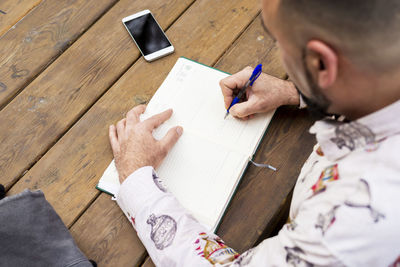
<point>344,55</point>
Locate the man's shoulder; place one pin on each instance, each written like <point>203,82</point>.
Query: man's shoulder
<point>355,218</point>
<point>362,219</point>
<point>351,205</point>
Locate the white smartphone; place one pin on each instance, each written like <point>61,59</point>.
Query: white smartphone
<point>148,35</point>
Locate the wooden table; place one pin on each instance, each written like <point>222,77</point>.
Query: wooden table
<point>68,69</point>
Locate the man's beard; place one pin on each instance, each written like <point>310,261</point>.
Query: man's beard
<point>316,110</point>
<point>319,104</point>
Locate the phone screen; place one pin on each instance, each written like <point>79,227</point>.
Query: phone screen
<point>147,34</point>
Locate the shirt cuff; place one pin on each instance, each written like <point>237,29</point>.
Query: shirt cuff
<point>140,188</point>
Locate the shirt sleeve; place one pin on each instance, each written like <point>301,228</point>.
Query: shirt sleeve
<point>173,237</point>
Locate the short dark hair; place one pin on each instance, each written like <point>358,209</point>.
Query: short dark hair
<point>367,31</point>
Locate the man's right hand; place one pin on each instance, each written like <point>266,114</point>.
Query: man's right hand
<point>266,94</point>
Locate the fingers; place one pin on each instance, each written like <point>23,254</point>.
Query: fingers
<point>233,82</point>
<point>171,138</point>
<point>112,134</point>
<point>158,119</point>
<point>133,116</point>
<point>121,129</point>
<point>242,110</point>
<point>237,80</point>
<point>227,93</point>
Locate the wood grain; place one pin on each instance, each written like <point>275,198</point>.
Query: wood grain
<point>148,263</point>
<point>12,11</point>
<point>32,44</point>
<point>69,171</point>
<point>262,192</point>
<point>263,50</point>
<point>111,238</point>
<point>45,109</point>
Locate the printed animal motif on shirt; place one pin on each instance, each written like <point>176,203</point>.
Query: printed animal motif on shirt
<point>213,249</point>
<point>244,259</point>
<point>328,175</point>
<point>353,135</point>
<point>294,257</point>
<point>158,182</point>
<point>362,199</point>
<point>324,221</point>
<point>163,230</point>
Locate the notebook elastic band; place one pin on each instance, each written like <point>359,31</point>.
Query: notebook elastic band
<point>263,165</point>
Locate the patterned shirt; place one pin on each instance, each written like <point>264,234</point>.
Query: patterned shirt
<point>344,212</point>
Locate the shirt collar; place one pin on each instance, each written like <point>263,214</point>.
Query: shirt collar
<point>337,139</point>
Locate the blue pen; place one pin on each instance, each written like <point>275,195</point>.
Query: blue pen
<point>256,72</point>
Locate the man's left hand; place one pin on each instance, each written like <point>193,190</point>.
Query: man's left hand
<point>133,144</point>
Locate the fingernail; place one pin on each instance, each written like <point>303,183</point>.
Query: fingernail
<point>179,131</point>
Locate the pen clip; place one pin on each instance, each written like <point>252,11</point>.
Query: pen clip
<point>256,72</point>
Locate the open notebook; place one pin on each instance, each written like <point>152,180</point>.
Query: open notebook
<point>205,166</point>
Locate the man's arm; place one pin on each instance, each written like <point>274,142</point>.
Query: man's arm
<point>173,237</point>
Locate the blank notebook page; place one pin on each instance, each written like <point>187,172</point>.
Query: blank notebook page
<point>203,169</point>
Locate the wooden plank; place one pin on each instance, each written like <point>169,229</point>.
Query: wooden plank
<point>252,48</point>
<point>280,218</point>
<point>286,146</point>
<point>111,239</point>
<point>45,109</point>
<point>32,44</point>
<point>11,11</point>
<point>148,263</point>
<point>69,171</point>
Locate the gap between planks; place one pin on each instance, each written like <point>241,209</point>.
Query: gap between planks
<point>83,112</point>
<point>94,199</point>
<point>235,40</point>
<point>53,59</point>
<point>21,17</point>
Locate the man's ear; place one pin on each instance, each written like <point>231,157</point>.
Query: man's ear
<point>322,62</point>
